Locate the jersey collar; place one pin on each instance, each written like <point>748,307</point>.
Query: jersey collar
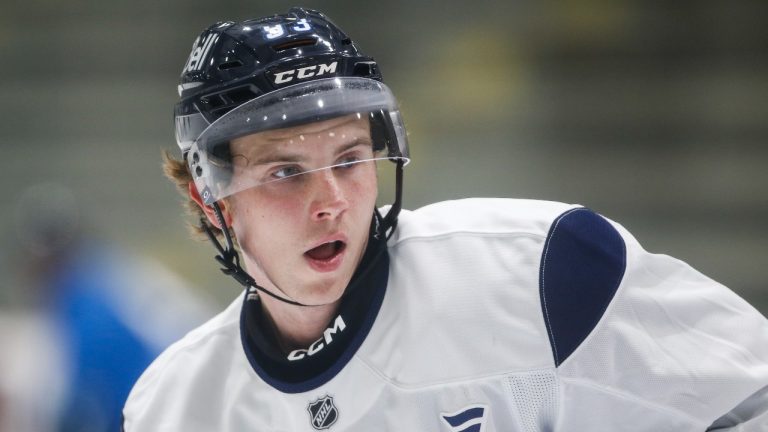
<point>321,361</point>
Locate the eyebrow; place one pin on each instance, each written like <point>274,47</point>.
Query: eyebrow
<point>293,157</point>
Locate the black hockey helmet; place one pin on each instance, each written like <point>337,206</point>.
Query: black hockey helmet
<point>232,63</point>
<point>273,73</point>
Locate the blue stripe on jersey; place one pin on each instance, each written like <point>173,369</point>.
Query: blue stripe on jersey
<point>464,416</point>
<point>582,265</point>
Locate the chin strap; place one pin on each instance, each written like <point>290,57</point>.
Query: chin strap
<point>389,222</point>
<point>230,259</point>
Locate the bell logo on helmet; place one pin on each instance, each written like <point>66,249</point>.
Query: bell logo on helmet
<point>199,52</point>
<point>305,72</point>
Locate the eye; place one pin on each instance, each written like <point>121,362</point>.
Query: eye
<point>350,158</point>
<point>347,161</point>
<point>286,171</point>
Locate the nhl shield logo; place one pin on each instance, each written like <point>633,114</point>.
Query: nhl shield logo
<point>323,413</point>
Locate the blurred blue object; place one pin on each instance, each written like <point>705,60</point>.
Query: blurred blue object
<point>105,354</point>
<point>112,312</point>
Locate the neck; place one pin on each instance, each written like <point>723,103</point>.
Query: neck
<point>297,327</point>
<point>291,346</point>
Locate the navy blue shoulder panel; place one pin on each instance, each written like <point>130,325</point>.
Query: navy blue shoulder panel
<point>582,265</point>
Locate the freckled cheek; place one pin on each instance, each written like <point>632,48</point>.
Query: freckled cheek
<point>266,236</point>
<point>272,203</point>
<point>285,211</point>
<point>262,218</point>
<point>365,192</point>
<point>363,199</point>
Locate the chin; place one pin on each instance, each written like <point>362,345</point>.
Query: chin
<point>323,290</point>
<point>321,296</point>
<point>327,285</point>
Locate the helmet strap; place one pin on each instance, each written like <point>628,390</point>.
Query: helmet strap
<point>388,223</point>
<point>230,259</point>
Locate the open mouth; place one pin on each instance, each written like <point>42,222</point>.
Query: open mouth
<point>326,251</point>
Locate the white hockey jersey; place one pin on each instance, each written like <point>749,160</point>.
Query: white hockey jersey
<point>489,315</point>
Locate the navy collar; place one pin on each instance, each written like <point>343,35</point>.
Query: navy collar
<point>322,360</point>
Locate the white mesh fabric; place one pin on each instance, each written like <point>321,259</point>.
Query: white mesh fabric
<point>535,396</point>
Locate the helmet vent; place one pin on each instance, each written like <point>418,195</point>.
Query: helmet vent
<point>241,94</point>
<point>218,104</point>
<point>365,69</point>
<point>294,44</point>
<point>230,65</point>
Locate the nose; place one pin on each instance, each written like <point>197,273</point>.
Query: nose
<point>327,200</point>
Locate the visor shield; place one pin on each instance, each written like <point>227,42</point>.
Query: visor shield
<point>333,123</point>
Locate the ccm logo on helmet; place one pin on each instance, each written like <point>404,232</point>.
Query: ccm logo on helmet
<point>338,326</point>
<point>305,72</point>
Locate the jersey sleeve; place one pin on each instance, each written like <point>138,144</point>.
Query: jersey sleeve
<point>644,337</point>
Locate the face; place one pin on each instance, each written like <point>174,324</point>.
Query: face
<point>304,229</point>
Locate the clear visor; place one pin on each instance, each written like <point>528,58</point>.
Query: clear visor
<point>335,123</point>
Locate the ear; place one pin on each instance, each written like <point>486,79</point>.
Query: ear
<point>208,210</point>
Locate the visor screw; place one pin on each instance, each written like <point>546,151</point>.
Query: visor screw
<point>195,157</point>
<point>199,171</point>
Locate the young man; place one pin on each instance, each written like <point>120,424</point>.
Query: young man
<point>474,315</point>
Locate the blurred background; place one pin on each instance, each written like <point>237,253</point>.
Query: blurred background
<point>652,113</point>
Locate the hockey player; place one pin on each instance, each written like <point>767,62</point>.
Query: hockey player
<point>473,315</point>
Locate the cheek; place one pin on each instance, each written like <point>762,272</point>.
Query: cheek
<point>264,205</point>
<point>370,194</point>
<point>366,188</point>
<point>259,219</point>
